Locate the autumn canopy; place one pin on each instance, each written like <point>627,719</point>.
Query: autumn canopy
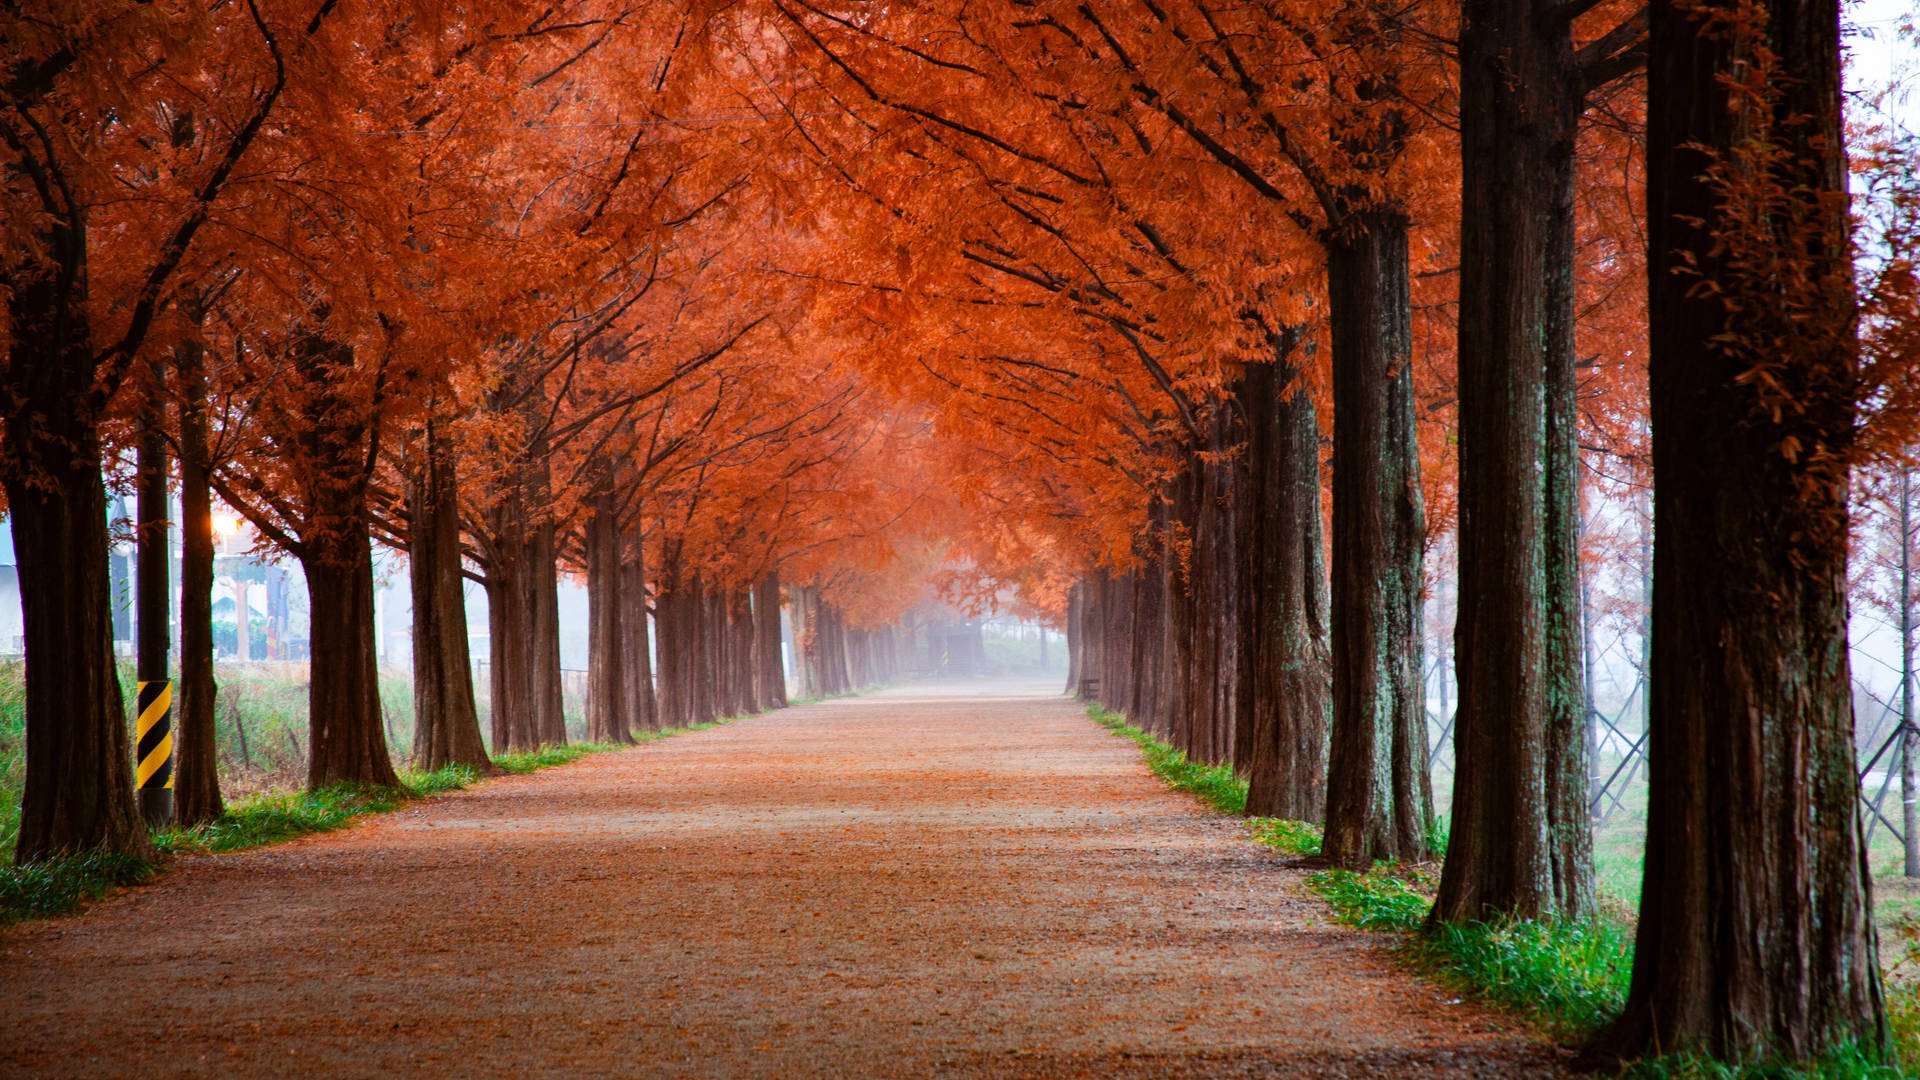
<point>1213,335</point>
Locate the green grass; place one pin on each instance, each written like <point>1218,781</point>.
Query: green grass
<point>546,757</point>
<point>268,819</point>
<point>1214,785</point>
<point>1570,977</point>
<point>1844,1063</point>
<point>1387,897</point>
<point>13,749</point>
<point>1292,837</point>
<point>55,886</point>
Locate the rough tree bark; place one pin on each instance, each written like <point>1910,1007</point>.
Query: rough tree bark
<point>543,602</point>
<point>704,652</point>
<point>79,782</point>
<point>743,674</point>
<point>1287,692</point>
<point>607,700</point>
<point>1755,938</point>
<point>1092,628</point>
<point>1379,802</point>
<point>643,707</point>
<point>346,737</point>
<point>446,720</point>
<point>196,776</point>
<point>1520,842</point>
<point>1075,637</point>
<point>771,676</point>
<point>510,626</point>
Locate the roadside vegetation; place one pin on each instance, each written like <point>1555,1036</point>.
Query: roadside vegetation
<point>1566,979</point>
<point>263,724</point>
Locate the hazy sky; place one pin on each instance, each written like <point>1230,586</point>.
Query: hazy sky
<point>1881,56</point>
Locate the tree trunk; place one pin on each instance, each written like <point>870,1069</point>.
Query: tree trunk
<point>1075,637</point>
<point>1520,842</point>
<point>346,737</point>
<point>510,629</point>
<point>1183,613</point>
<point>1288,694</point>
<point>543,601</point>
<point>196,779</point>
<point>1756,936</point>
<point>1092,627</point>
<point>643,708</point>
<point>771,689</point>
<point>1221,512</point>
<point>703,654</point>
<point>607,699</point>
<point>805,642</point>
<point>446,720</point>
<point>79,784</point>
<point>1379,803</point>
<point>1149,638</point>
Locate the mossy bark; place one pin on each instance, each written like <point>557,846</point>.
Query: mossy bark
<point>1379,802</point>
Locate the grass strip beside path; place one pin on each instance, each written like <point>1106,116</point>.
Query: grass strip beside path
<point>56,886</point>
<point>1568,978</point>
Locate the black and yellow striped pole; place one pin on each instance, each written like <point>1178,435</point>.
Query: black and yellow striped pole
<point>153,754</point>
<point>153,757</point>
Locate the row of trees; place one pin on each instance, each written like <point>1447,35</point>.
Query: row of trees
<point>1243,235</point>
<point>459,287</point>
<point>1059,302</point>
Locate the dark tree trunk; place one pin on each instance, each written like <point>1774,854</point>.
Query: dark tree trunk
<point>346,737</point>
<point>1379,802</point>
<point>543,601</point>
<point>1116,601</point>
<point>510,630</point>
<point>1075,636</point>
<point>1285,666</point>
<point>771,692</point>
<point>196,779</point>
<point>1093,622</point>
<point>1149,638</point>
<point>79,783</point>
<point>446,720</point>
<point>1183,609</point>
<point>1756,936</point>
<point>669,640</point>
<point>1221,513</point>
<point>1520,842</point>
<point>79,789</point>
<point>704,652</point>
<point>745,673</point>
<point>1170,701</point>
<point>607,699</point>
<point>643,708</point>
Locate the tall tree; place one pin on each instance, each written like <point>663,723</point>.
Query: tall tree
<point>446,720</point>
<point>1756,938</point>
<point>1520,841</point>
<point>196,788</point>
<point>66,128</point>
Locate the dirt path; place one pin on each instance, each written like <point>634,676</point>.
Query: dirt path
<point>903,885</point>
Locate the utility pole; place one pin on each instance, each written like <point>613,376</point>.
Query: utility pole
<point>153,758</point>
<point>1909,796</point>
